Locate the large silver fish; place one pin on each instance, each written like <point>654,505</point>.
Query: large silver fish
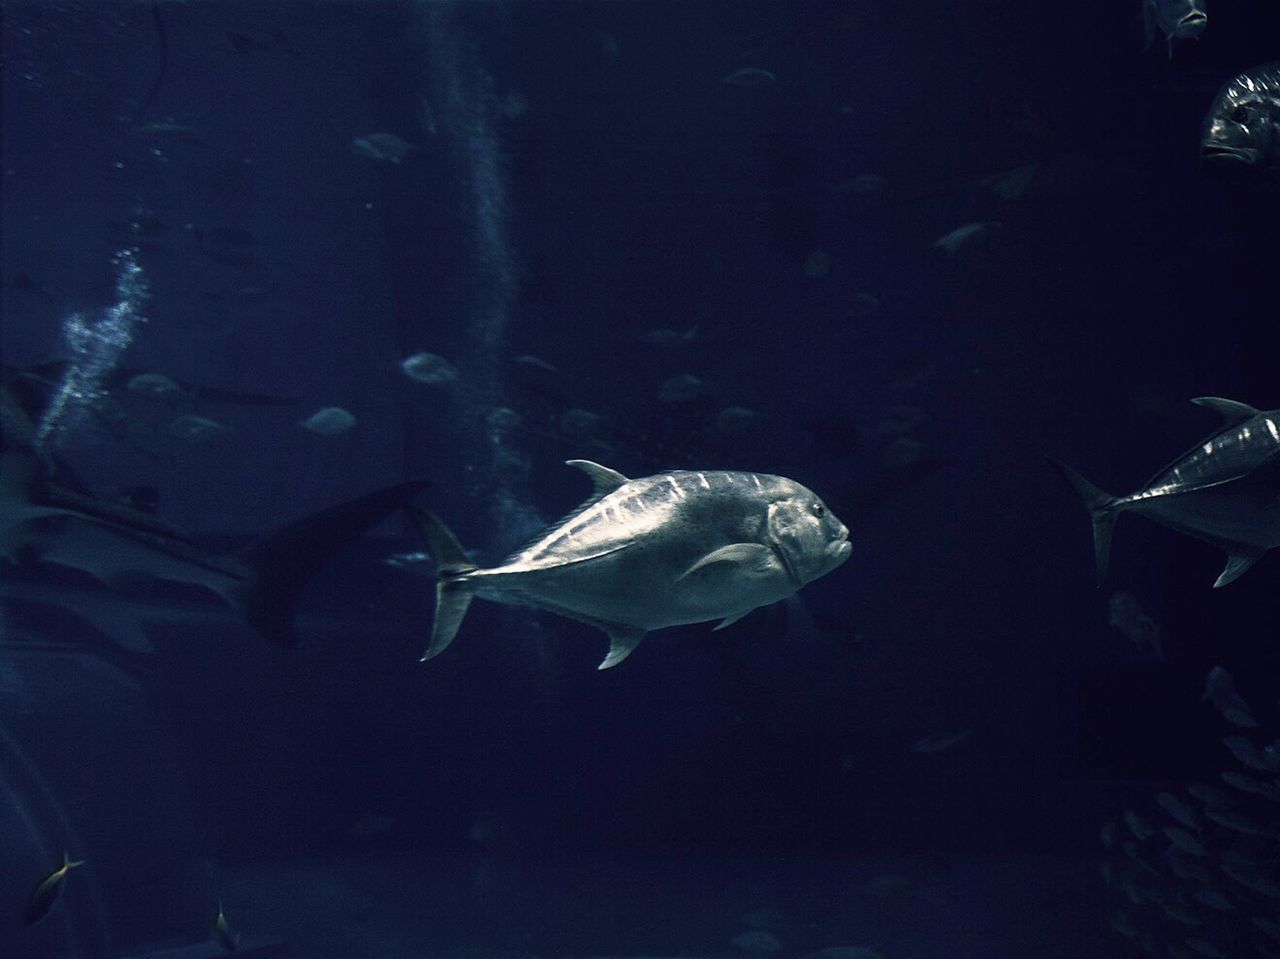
<point>1225,490</point>
<point>641,554</point>
<point>1242,129</point>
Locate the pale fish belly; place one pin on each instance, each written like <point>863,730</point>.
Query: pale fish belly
<point>641,586</point>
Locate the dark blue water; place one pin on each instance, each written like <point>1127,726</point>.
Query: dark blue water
<point>573,204</point>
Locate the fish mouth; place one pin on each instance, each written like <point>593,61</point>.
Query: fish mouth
<point>1194,21</point>
<point>840,550</point>
<point>1220,153</point>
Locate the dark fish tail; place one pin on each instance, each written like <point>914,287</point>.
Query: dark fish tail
<point>286,561</point>
<point>1103,509</point>
<point>453,588</point>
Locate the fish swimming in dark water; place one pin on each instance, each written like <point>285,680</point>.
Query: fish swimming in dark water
<point>1242,129</point>
<point>47,891</point>
<point>640,554</point>
<point>1225,490</point>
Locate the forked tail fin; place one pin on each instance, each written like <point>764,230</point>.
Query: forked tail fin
<point>285,562</point>
<point>453,589</point>
<point>1102,509</point>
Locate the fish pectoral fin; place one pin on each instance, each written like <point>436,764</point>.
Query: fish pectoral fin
<point>1238,562</point>
<point>603,479</point>
<point>742,559</point>
<point>731,619</point>
<point>1231,411</point>
<point>622,640</point>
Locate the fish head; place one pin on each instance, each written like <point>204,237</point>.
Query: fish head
<point>1177,19</point>
<point>1191,25</point>
<point>1191,20</point>
<point>1241,129</point>
<point>808,536</point>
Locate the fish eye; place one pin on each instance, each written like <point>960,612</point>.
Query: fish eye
<point>819,510</point>
<point>1239,115</point>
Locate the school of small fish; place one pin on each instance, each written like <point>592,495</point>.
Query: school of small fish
<point>1212,865</point>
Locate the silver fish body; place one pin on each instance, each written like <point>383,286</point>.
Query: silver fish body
<point>1242,128</point>
<point>1225,490</point>
<point>642,554</point>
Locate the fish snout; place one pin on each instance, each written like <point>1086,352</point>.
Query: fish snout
<point>1192,24</point>
<point>840,547</point>
<point>1215,153</point>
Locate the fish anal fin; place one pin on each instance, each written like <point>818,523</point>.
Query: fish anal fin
<point>1231,411</point>
<point>603,480</point>
<point>1238,562</point>
<point>622,641</point>
<point>750,558</point>
<point>730,619</point>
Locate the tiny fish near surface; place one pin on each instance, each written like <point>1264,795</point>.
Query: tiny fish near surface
<point>641,554</point>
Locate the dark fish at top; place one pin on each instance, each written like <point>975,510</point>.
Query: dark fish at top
<point>47,892</point>
<point>1242,129</point>
<point>1176,19</point>
<point>1225,490</point>
<point>680,547</point>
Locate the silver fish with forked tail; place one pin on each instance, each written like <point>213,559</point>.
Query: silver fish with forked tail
<point>1225,490</point>
<point>640,554</point>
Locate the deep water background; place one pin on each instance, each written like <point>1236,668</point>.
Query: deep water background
<point>639,192</point>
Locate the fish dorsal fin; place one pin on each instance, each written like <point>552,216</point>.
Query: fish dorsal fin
<point>1231,411</point>
<point>622,640</point>
<point>603,479</point>
<point>1239,559</point>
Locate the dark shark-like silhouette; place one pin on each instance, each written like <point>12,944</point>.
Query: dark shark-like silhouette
<point>55,533</point>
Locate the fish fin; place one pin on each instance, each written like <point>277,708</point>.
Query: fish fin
<point>442,546</point>
<point>1238,562</point>
<point>1148,24</point>
<point>731,619</point>
<point>68,863</point>
<point>758,557</point>
<point>453,597</point>
<point>603,479</point>
<point>1102,509</point>
<point>282,564</point>
<point>453,590</point>
<point>122,626</point>
<point>622,641</point>
<point>1231,411</point>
